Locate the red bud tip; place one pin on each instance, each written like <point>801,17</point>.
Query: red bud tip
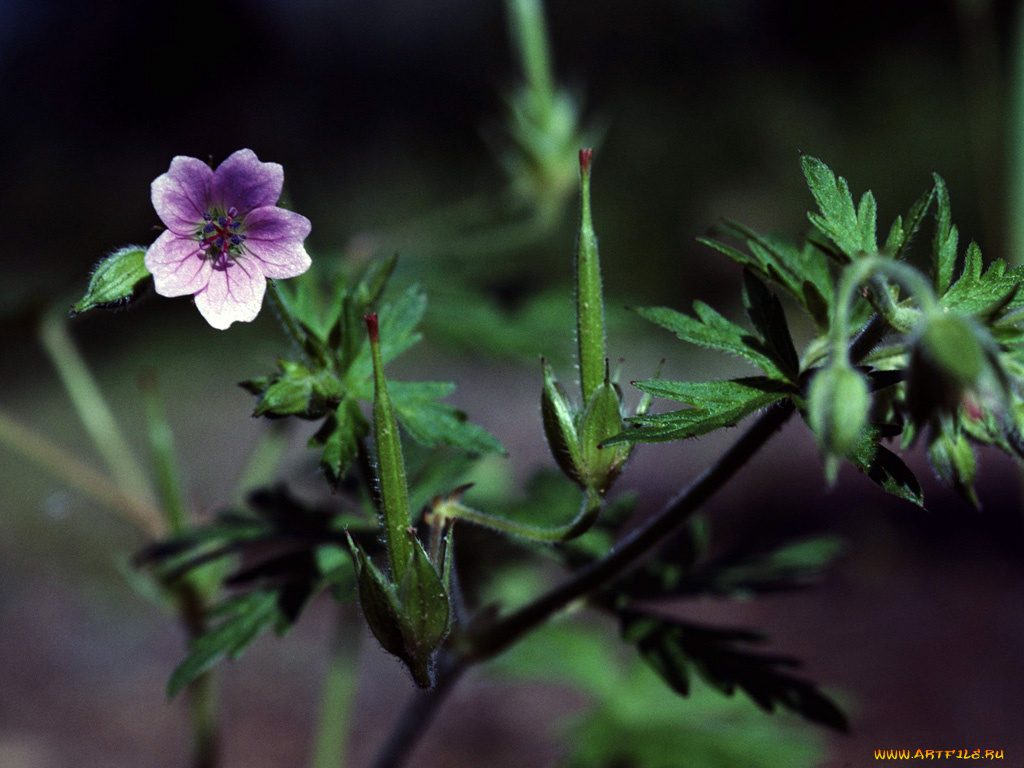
<point>586,157</point>
<point>371,326</point>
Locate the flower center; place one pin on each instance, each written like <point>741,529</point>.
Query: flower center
<point>220,236</point>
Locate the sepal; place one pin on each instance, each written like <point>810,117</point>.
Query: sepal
<point>117,279</point>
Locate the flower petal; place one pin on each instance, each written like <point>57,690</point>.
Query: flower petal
<point>274,236</point>
<point>177,265</point>
<point>233,294</point>
<point>182,195</point>
<point>243,182</point>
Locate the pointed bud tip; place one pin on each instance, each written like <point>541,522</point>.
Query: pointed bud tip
<point>586,158</point>
<point>371,326</point>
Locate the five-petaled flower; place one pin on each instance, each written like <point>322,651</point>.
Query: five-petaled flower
<point>225,235</point>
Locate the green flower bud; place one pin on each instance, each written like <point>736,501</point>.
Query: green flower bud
<point>952,355</point>
<point>411,619</point>
<point>115,280</point>
<point>837,410</point>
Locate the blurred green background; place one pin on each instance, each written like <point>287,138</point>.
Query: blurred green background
<point>384,113</point>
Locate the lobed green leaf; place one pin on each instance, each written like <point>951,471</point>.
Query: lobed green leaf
<point>717,404</point>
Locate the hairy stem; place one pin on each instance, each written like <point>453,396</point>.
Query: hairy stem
<point>589,509</point>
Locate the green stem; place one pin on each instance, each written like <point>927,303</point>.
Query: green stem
<point>338,694</point>
<point>90,482</point>
<point>589,510</point>
<point>92,408</point>
<point>530,38</point>
<point>861,271</point>
<point>285,314</point>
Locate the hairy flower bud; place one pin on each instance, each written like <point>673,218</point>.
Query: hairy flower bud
<point>951,356</point>
<point>837,410</point>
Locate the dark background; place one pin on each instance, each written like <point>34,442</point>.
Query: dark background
<point>378,111</point>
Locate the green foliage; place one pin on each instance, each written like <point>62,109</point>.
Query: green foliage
<point>675,649</point>
<point>988,294</point>
<point>800,270</point>
<point>117,279</point>
<point>338,372</point>
<point>245,618</point>
<point>969,354</point>
<point>851,229</point>
<point>431,423</point>
<point>717,404</point>
<point>290,551</point>
<point>635,719</point>
<point>885,468</point>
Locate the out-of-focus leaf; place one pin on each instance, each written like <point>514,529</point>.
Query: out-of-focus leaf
<point>246,617</point>
<point>676,649</point>
<point>636,720</point>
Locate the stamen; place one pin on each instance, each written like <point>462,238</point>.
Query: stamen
<point>232,211</point>
<point>219,242</point>
<point>204,246</point>
<point>209,228</point>
<point>207,216</point>
<point>222,221</point>
<point>236,240</point>
<point>235,224</point>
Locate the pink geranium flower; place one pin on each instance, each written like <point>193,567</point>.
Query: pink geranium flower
<point>225,235</point>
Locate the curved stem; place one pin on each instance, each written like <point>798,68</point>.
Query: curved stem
<point>856,274</point>
<point>589,510</point>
